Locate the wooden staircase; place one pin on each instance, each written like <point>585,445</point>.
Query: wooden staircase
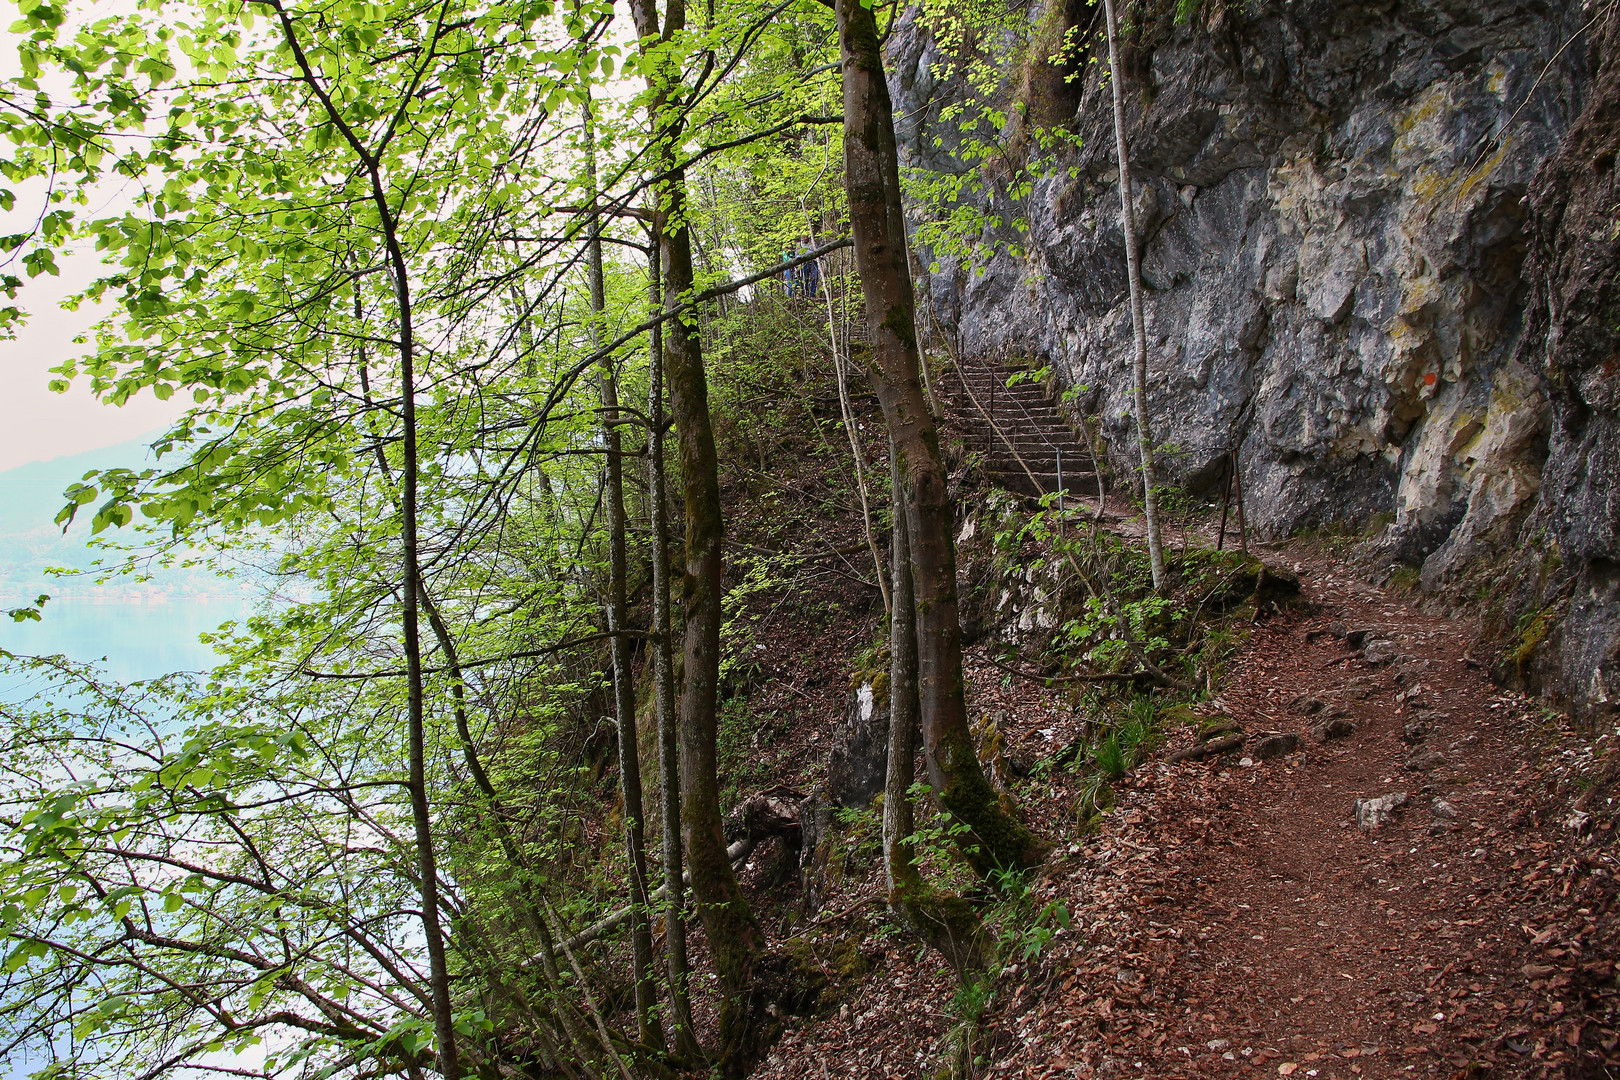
<point>990,415</point>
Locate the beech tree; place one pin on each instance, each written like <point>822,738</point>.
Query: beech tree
<point>872,177</point>
<point>328,314</point>
<point>393,254</point>
<point>729,924</point>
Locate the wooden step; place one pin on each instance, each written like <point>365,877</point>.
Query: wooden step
<point>1043,415</point>
<point>1017,425</point>
<point>1023,424</point>
<point>1080,487</point>
<point>1026,445</point>
<point>1046,463</point>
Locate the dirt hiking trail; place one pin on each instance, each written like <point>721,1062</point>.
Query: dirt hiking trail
<point>1232,918</point>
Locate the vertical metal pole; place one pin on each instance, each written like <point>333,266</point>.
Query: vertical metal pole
<point>1060,481</point>
<point>1059,451</point>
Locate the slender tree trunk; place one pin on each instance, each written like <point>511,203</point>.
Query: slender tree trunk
<point>421,815</point>
<point>624,690</point>
<point>416,737</point>
<point>669,761</point>
<point>872,175</point>
<point>469,750</point>
<point>410,556</point>
<point>498,819</point>
<point>1133,268</point>
<point>946,922</point>
<point>584,985</point>
<point>734,938</point>
<point>899,823</point>
<point>839,370</point>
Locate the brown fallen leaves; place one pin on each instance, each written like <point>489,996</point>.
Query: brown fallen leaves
<point>1229,919</point>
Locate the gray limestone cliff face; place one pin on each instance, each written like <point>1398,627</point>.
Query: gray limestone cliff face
<point>1332,201</point>
<point>1568,571</point>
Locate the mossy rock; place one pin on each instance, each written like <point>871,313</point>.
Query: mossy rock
<point>1525,653</point>
<point>880,690</point>
<point>1530,639</point>
<point>849,961</point>
<point>828,963</point>
<point>1179,716</point>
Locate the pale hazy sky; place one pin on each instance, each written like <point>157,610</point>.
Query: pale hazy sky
<point>36,424</point>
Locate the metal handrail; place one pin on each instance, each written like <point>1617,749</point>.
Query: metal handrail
<point>996,428</point>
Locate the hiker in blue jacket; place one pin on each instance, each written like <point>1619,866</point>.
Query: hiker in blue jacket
<point>810,272</point>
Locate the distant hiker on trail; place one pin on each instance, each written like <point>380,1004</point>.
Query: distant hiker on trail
<point>810,272</point>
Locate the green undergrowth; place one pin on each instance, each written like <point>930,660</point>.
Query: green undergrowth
<point>1106,618</point>
<point>1102,613</point>
<point>742,732</point>
<point>1404,580</point>
<point>1133,661</point>
<point>1019,929</point>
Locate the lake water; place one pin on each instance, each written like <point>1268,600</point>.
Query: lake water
<point>137,639</point>
<point>142,629</point>
<point>137,630</point>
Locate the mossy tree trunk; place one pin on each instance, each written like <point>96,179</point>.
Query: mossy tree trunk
<point>946,922</point>
<point>734,938</point>
<point>899,821</point>
<point>669,746</point>
<point>872,177</point>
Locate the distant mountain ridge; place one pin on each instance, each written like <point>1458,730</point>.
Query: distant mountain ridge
<point>73,466</point>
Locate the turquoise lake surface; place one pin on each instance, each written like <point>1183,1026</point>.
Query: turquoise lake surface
<point>135,630</point>
<point>135,639</point>
<point>141,629</point>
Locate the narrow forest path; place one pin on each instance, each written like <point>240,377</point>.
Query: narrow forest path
<point>1232,919</point>
<point>1237,917</point>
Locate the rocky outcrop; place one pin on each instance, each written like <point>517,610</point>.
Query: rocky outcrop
<point>1333,205</point>
<point>858,762</point>
<point>1566,585</point>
